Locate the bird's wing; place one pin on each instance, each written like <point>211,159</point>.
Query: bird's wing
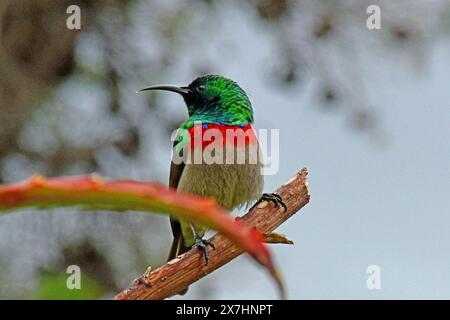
<point>176,169</point>
<point>175,173</point>
<point>178,242</point>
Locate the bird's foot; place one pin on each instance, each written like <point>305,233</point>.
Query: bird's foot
<point>271,197</point>
<point>202,245</point>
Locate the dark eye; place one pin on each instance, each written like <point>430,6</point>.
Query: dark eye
<point>201,88</point>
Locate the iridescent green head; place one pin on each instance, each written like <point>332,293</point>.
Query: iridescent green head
<point>213,99</point>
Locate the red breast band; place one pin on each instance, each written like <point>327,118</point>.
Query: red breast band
<point>221,135</point>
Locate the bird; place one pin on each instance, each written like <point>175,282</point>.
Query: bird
<point>215,104</point>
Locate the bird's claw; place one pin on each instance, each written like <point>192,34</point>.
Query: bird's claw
<point>272,197</point>
<point>202,245</point>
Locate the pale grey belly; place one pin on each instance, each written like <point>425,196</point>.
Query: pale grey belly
<point>232,185</point>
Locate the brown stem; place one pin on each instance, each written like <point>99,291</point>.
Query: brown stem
<point>181,272</point>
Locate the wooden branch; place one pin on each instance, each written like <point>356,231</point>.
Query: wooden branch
<point>186,269</point>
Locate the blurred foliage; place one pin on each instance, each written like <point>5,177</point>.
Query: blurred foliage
<point>52,286</point>
<point>67,103</point>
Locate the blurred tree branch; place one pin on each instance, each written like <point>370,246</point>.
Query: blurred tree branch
<point>33,57</point>
<point>181,272</point>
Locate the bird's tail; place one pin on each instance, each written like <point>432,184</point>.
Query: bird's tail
<point>178,247</point>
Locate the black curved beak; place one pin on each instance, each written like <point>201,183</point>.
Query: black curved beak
<point>181,90</point>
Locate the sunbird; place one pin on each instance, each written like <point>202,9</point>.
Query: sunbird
<point>218,105</point>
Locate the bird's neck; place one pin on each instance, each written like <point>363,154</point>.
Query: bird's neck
<point>218,117</point>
